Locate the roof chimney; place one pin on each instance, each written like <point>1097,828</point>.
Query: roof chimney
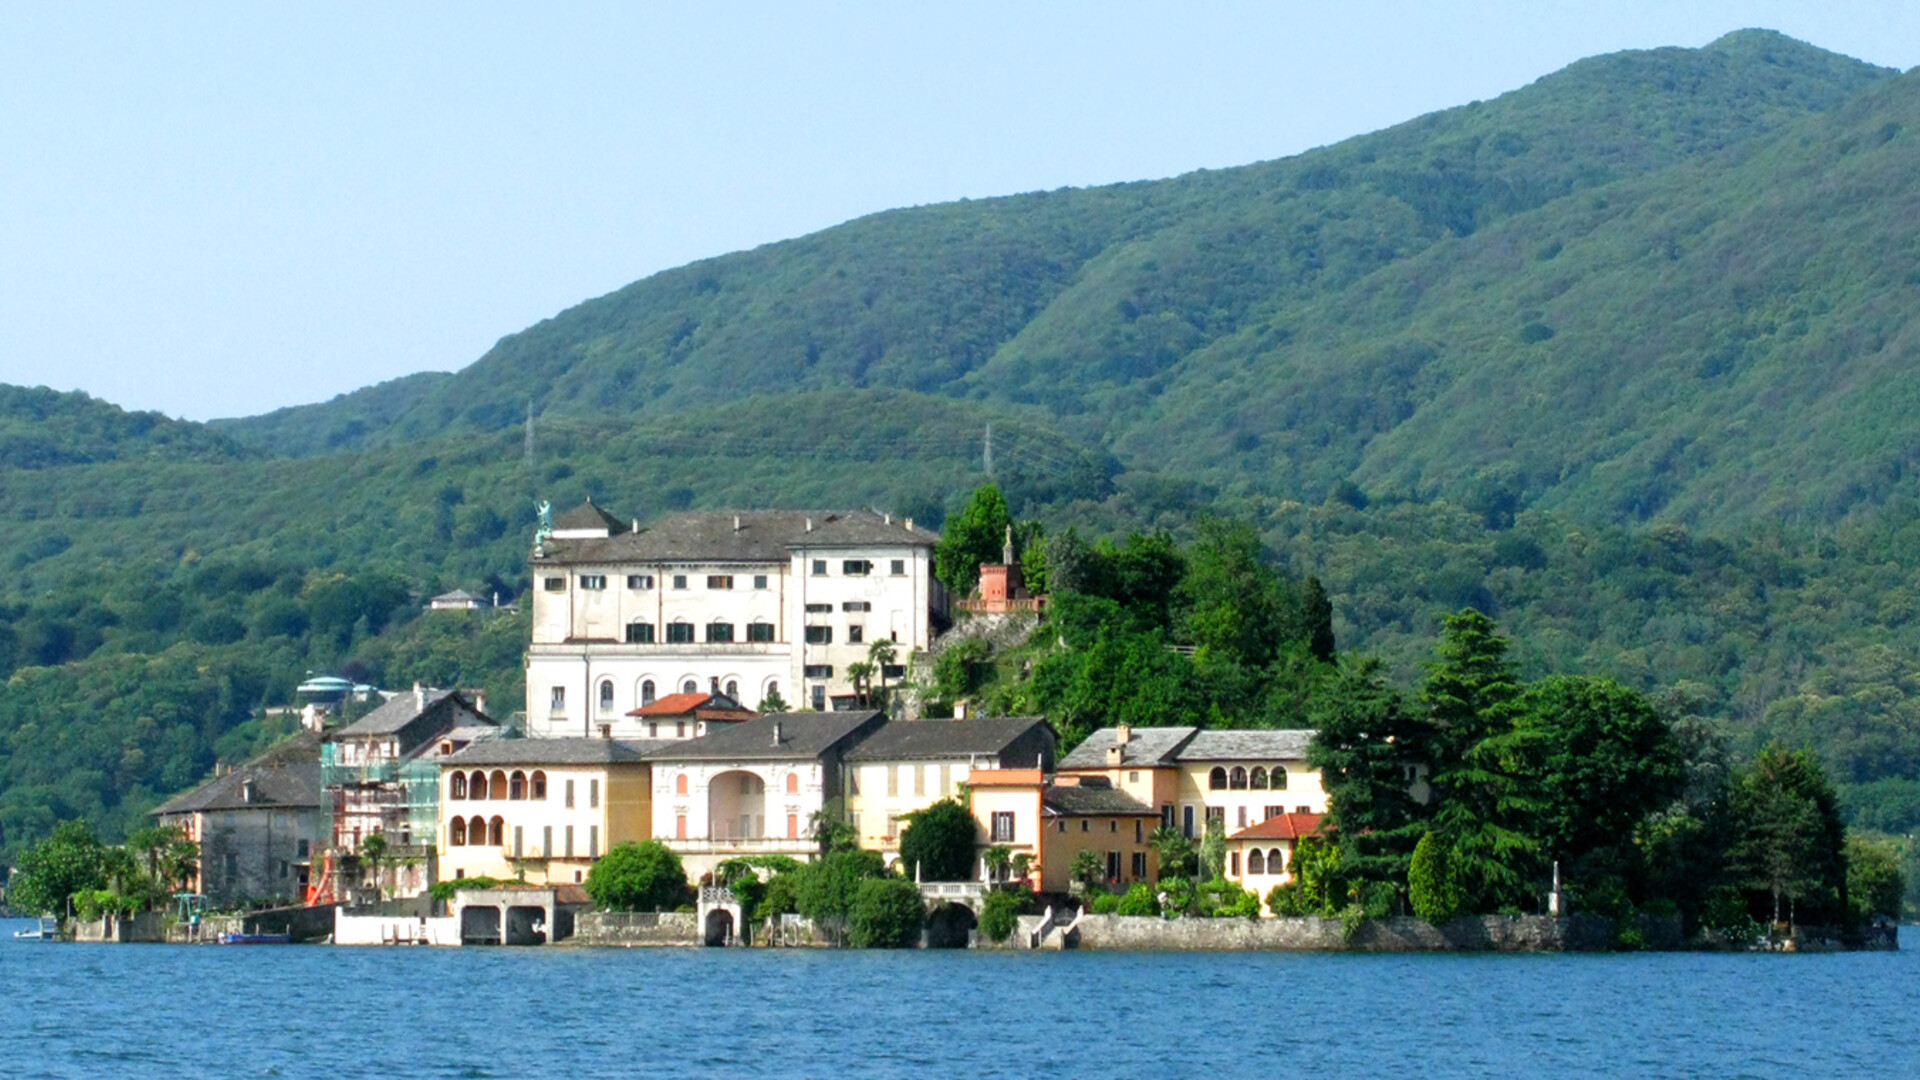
<point>736,523</point>
<point>419,698</point>
<point>248,791</point>
<point>1123,734</point>
<point>480,702</point>
<point>909,522</point>
<point>636,525</point>
<point>809,524</point>
<point>776,733</point>
<point>886,519</point>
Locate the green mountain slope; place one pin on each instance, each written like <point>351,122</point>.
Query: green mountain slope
<point>42,428</point>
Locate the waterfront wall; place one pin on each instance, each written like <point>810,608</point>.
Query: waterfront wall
<point>142,927</point>
<point>1491,933</point>
<point>648,928</point>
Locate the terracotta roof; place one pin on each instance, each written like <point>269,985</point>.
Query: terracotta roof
<point>705,706</point>
<point>763,536</point>
<point>1281,827</point>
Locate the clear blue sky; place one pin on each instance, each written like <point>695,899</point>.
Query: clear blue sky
<point>216,211</point>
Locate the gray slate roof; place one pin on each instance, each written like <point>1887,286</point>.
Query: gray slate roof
<point>399,711</point>
<point>1149,746</point>
<point>802,735</point>
<point>920,740</point>
<point>589,516</point>
<point>1073,800</point>
<point>576,751</point>
<point>763,536</point>
<point>1265,745</point>
<point>287,776</point>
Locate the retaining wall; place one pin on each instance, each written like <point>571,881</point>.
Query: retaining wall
<point>665,928</point>
<point>1491,933</point>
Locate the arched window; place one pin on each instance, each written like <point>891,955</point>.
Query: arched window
<point>1275,861</point>
<point>733,690</point>
<point>498,785</point>
<point>1256,862</point>
<point>457,786</point>
<point>691,686</point>
<point>772,691</point>
<point>477,786</point>
<point>539,780</point>
<point>517,785</point>
<point>457,833</point>
<point>1257,780</point>
<point>1238,780</point>
<point>476,832</point>
<point>793,783</point>
<point>680,784</point>
<point>646,693</point>
<point>606,695</point>
<point>1217,779</point>
<point>1277,779</point>
<point>497,832</point>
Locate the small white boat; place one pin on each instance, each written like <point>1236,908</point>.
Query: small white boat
<point>44,930</point>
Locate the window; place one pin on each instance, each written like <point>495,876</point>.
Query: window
<point>558,701</point>
<point>793,783</point>
<point>593,581</point>
<point>1216,813</point>
<point>653,729</point>
<point>819,671</point>
<point>1217,779</point>
<point>793,826</point>
<point>1302,810</point>
<point>477,786</point>
<point>759,581</point>
<point>719,581</point>
<point>457,833</point>
<point>680,784</point>
<point>893,780</point>
<point>606,694</point>
<point>690,687</point>
<point>1186,822</point>
<point>517,785</point>
<point>496,832</point>
<point>1113,866</point>
<point>1113,826</point>
<point>893,671</point>
<point>1233,863</point>
<point>680,633</point>
<point>303,849</point>
<point>679,826</point>
<point>1278,778</point>
<point>567,800</point>
<point>679,581</point>
<point>760,631</point>
<point>773,689</point>
<point>646,690</point>
<point>1240,821</point>
<point>680,727</point>
<point>919,779</point>
<point>538,783</point>
<point>1276,863</point>
<point>1256,862</point>
<point>554,584</point>
<point>593,794</point>
<point>856,635</point>
<point>855,567</point>
<point>819,568</point>
<point>639,633</point>
<point>819,635</point>
<point>733,690</point>
<point>819,698</point>
<point>819,609</point>
<point>899,568</point>
<point>457,786</point>
<point>1133,777</point>
<point>1166,815</point>
<point>1275,811</point>
<point>639,581</point>
<point>567,837</point>
<point>593,841</point>
<point>1061,825</point>
<point>546,841</point>
<point>1139,830</point>
<point>1237,780</point>
<point>519,842</point>
<point>1003,826</point>
<point>1086,825</point>
<point>856,605</point>
<point>719,632</point>
<point>1139,864</point>
<point>1257,779</point>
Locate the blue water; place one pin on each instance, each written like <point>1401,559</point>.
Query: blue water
<point>163,1011</point>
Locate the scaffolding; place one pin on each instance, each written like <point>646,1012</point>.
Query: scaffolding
<point>404,794</point>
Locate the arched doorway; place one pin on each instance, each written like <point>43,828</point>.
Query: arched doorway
<point>949,925</point>
<point>736,806</point>
<point>719,928</point>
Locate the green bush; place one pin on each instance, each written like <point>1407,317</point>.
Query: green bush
<point>1139,900</point>
<point>443,890</point>
<point>1106,904</point>
<point>644,876</point>
<point>939,841</point>
<point>999,913</point>
<point>1431,887</point>
<point>887,914</point>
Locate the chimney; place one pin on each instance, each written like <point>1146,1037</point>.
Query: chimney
<point>776,733</point>
<point>909,524</point>
<point>480,702</point>
<point>247,791</point>
<point>1116,755</point>
<point>960,709</point>
<point>419,698</point>
<point>635,526</point>
<point>1123,734</point>
<point>736,523</point>
<point>809,524</point>
<point>886,519</point>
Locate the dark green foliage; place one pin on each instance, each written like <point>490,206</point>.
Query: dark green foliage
<point>938,842</point>
<point>886,913</point>
<point>976,535</point>
<point>1600,759</point>
<point>444,891</point>
<point>1365,744</point>
<point>70,860</point>
<point>1875,883</point>
<point>999,912</point>
<point>1791,843</point>
<point>1139,900</point>
<point>643,876</point>
<point>1431,889</point>
<point>829,884</point>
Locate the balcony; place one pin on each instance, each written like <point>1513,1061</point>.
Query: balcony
<point>746,845</point>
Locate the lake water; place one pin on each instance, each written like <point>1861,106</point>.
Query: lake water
<point>165,1011</point>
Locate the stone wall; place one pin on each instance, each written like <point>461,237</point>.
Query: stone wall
<point>666,928</point>
<point>141,927</point>
<point>1492,933</point>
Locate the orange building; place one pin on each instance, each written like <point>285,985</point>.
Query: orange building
<point>1052,820</point>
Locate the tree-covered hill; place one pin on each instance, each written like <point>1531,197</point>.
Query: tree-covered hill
<point>42,428</point>
<point>1587,294</point>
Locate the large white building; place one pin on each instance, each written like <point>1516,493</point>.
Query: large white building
<point>743,604</point>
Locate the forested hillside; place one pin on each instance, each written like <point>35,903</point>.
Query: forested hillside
<point>1621,358</point>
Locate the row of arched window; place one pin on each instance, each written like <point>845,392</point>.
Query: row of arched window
<point>1239,779</point>
<point>461,832</point>
<point>1270,861</point>
<point>750,785</point>
<point>498,785</point>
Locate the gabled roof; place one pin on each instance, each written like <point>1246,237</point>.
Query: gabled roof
<point>458,596</point>
<point>588,516</point>
<point>1072,800</point>
<point>574,751</point>
<point>1262,745</point>
<point>924,740</point>
<point>1281,827</point>
<point>1146,746</point>
<point>702,706</point>
<point>286,777</point>
<point>747,536</point>
<point>399,711</point>
<point>800,735</point>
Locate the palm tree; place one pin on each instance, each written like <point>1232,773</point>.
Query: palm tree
<point>880,655</point>
<point>861,676</point>
<point>1173,849</point>
<point>374,850</point>
<point>1088,869</point>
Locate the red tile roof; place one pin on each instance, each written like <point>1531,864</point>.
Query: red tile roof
<point>1281,827</point>
<point>706,706</point>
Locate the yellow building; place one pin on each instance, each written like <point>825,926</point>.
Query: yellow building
<point>1191,776</point>
<point>907,766</point>
<point>1050,823</point>
<point>1260,856</point>
<point>545,807</point>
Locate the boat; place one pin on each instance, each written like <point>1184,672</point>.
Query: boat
<point>43,930</point>
<point>256,939</point>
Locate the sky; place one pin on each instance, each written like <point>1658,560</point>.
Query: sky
<point>217,211</point>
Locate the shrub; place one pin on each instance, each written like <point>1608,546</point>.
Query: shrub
<point>782,897</point>
<point>998,915</point>
<point>1176,895</point>
<point>887,914</point>
<point>443,890</point>
<point>1431,886</point>
<point>1106,904</point>
<point>1139,900</point>
<point>646,876</point>
<point>939,840</point>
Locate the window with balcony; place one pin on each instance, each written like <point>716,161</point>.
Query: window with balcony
<point>719,581</point>
<point>819,635</point>
<point>760,631</point>
<point>639,633</point>
<point>680,633</point>
<point>1003,826</point>
<point>595,582</point>
<point>1237,779</point>
<point>720,633</point>
<point>639,582</point>
<point>1277,779</point>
